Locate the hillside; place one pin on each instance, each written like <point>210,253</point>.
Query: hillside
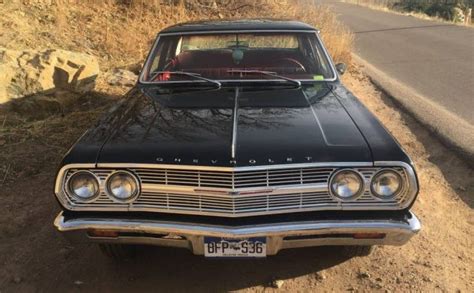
<point>120,32</point>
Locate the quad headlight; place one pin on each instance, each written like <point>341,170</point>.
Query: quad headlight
<point>386,184</point>
<point>347,184</point>
<point>83,185</point>
<point>122,186</point>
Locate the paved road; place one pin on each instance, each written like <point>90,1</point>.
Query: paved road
<point>436,59</point>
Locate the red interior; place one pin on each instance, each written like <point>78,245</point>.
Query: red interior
<point>216,63</point>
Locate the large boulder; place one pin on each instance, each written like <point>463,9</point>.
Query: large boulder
<point>29,72</point>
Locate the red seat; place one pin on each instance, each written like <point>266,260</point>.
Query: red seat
<point>218,62</point>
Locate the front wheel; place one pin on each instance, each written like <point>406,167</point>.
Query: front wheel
<point>118,252</point>
<point>357,250</point>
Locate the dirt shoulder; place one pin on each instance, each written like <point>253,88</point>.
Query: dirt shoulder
<point>35,257</point>
<point>452,129</point>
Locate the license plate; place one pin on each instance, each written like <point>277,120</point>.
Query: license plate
<point>228,247</point>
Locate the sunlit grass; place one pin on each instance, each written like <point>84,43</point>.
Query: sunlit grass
<point>121,32</point>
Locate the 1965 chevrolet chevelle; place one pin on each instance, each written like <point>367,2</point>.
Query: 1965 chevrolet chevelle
<point>238,141</point>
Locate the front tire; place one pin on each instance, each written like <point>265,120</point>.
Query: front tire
<point>357,250</point>
<point>118,252</point>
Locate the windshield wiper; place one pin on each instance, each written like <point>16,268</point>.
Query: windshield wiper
<point>268,73</point>
<point>190,74</point>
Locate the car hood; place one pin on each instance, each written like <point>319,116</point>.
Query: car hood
<point>274,126</point>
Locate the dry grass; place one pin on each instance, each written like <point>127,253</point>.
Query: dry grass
<point>120,31</point>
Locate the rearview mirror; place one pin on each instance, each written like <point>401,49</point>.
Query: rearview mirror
<point>341,68</point>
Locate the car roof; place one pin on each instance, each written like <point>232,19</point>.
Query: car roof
<point>238,25</point>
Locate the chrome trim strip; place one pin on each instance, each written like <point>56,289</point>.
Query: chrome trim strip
<point>148,61</point>
<point>197,32</point>
<point>235,169</point>
<point>397,232</point>
<point>328,57</point>
<point>234,123</point>
<point>224,81</point>
<point>187,211</point>
<point>226,193</point>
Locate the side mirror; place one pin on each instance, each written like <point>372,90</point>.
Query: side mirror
<point>341,68</point>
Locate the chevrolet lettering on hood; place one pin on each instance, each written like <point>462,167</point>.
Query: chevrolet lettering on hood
<point>232,162</point>
<point>238,140</point>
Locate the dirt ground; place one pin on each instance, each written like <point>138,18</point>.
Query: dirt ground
<point>34,257</point>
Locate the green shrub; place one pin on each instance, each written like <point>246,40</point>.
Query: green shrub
<point>447,9</point>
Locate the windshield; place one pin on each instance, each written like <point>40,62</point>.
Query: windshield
<point>238,56</point>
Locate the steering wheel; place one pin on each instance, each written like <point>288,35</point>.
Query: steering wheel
<point>300,67</point>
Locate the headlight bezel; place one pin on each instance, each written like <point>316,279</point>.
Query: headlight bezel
<point>380,173</point>
<point>358,194</point>
<point>111,195</point>
<point>71,193</point>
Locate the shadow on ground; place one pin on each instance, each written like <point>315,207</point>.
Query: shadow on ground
<point>177,270</point>
<point>37,130</point>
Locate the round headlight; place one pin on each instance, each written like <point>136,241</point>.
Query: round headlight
<point>122,186</point>
<point>386,184</point>
<point>83,185</point>
<point>347,184</point>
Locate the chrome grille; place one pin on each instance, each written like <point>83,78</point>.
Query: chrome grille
<point>217,179</point>
<point>155,197</point>
<point>248,204</point>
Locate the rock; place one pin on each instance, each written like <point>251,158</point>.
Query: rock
<point>2,142</point>
<point>320,276</point>
<point>31,72</point>
<point>121,77</point>
<point>427,279</point>
<point>277,283</point>
<point>78,283</point>
<point>364,275</point>
<point>427,264</point>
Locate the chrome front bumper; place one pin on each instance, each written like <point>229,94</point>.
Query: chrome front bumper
<point>279,235</point>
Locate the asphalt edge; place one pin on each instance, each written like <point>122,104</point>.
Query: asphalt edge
<point>454,132</point>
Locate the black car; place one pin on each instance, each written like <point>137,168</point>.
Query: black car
<point>238,140</point>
